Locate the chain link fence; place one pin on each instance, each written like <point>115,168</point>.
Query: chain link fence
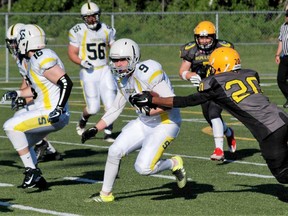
<point>254,34</point>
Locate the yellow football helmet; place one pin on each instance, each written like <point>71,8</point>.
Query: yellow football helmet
<point>224,59</point>
<point>205,29</point>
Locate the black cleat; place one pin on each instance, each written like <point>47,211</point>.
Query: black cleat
<point>33,179</point>
<point>40,149</point>
<point>50,157</point>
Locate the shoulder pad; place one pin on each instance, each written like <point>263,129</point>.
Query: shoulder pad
<point>224,43</point>
<point>46,58</point>
<point>149,72</point>
<point>189,45</point>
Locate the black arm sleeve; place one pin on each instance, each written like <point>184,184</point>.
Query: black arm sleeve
<point>65,84</point>
<point>191,100</point>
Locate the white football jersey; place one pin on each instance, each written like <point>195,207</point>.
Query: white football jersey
<point>147,75</point>
<point>47,92</point>
<point>92,44</point>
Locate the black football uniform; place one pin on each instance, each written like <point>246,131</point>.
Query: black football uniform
<point>240,94</point>
<point>199,60</point>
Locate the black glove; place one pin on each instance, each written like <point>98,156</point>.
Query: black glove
<point>142,100</point>
<point>54,116</point>
<point>9,95</point>
<point>143,110</point>
<point>88,134</point>
<point>201,70</point>
<point>18,103</point>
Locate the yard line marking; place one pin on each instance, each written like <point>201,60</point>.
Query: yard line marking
<point>251,175</point>
<point>167,154</point>
<point>29,208</point>
<point>167,177</point>
<point>96,181</point>
<point>82,180</point>
<point>6,185</point>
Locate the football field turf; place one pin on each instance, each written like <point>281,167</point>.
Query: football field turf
<point>241,185</point>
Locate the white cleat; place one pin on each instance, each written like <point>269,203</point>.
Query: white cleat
<point>79,130</point>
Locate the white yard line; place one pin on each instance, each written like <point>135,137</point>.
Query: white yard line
<point>167,154</point>
<point>29,208</point>
<point>251,175</point>
<point>6,185</point>
<point>85,180</point>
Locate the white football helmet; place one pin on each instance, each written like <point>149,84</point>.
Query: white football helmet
<point>31,37</point>
<point>11,37</point>
<point>90,9</point>
<point>124,49</point>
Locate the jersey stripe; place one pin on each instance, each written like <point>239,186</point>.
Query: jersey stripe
<point>83,42</point>
<point>44,90</point>
<point>155,74</point>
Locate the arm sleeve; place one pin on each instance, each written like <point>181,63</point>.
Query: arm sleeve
<point>191,100</point>
<point>115,110</point>
<point>65,85</point>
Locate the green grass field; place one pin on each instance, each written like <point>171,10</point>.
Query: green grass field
<point>242,185</point>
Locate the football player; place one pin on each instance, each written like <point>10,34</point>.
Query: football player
<point>50,88</point>
<point>154,129</point>
<point>193,68</point>
<point>238,91</point>
<point>43,149</point>
<point>88,43</point>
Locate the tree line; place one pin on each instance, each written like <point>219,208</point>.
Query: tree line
<point>143,5</point>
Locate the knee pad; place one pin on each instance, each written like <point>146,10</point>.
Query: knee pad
<point>142,170</point>
<point>114,152</point>
<point>92,110</point>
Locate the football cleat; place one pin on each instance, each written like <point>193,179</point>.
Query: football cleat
<point>218,155</point>
<point>231,142</point>
<point>33,179</point>
<point>101,198</point>
<point>179,172</point>
<point>40,149</point>
<point>80,127</point>
<point>50,157</point>
<point>109,138</point>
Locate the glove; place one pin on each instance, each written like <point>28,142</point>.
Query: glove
<point>86,64</point>
<point>88,134</point>
<point>54,116</point>
<point>9,95</point>
<point>142,100</point>
<point>18,103</point>
<point>143,110</point>
<point>195,80</point>
<point>202,70</point>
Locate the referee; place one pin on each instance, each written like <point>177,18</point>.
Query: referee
<point>281,58</point>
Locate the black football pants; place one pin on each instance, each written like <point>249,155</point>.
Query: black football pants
<point>282,76</point>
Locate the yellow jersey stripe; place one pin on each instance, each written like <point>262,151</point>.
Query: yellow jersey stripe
<point>32,123</point>
<point>155,74</point>
<point>43,88</point>
<point>46,60</point>
<point>83,45</point>
<point>160,151</point>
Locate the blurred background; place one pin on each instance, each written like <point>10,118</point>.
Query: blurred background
<point>160,27</point>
